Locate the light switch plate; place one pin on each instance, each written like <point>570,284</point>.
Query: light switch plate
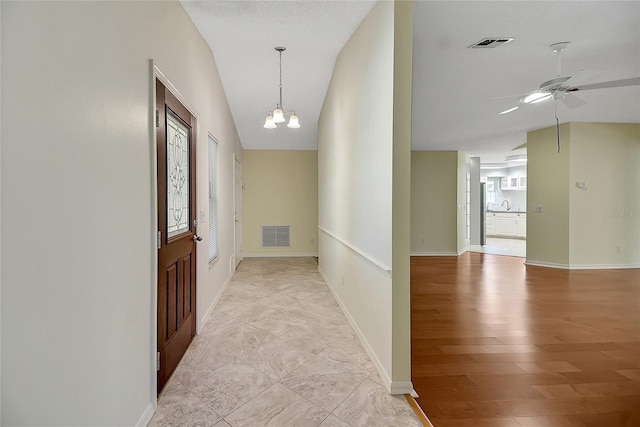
<point>538,209</point>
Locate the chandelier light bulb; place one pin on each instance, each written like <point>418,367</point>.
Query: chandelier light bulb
<point>269,123</point>
<point>278,116</point>
<point>293,122</point>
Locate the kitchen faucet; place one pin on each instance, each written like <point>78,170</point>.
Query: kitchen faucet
<point>508,204</point>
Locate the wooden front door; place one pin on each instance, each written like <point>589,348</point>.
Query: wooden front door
<point>176,231</point>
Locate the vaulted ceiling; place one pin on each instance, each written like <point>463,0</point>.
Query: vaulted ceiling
<point>457,91</point>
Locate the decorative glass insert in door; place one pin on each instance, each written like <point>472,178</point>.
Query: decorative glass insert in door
<point>177,176</point>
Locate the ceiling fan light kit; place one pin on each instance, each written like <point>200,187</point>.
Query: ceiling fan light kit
<point>279,115</point>
<point>562,86</point>
<point>537,96</point>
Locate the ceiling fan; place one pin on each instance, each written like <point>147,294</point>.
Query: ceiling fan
<point>564,87</point>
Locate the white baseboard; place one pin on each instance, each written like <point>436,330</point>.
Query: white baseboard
<point>145,419</point>
<point>403,387</point>
<point>392,388</point>
<point>580,266</point>
<point>207,313</point>
<point>274,255</point>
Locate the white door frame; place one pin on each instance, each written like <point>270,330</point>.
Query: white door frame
<point>238,186</point>
<point>156,73</point>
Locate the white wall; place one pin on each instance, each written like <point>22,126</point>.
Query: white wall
<point>78,214</point>
<point>356,192</point>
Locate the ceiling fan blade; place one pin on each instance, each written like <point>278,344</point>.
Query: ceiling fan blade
<point>572,101</point>
<point>634,81</point>
<point>507,96</point>
<point>581,77</point>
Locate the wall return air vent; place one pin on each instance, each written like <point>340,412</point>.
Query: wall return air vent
<point>275,236</point>
<point>491,42</point>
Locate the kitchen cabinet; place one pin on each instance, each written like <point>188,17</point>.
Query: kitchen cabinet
<point>522,225</point>
<point>513,183</point>
<point>489,224</point>
<point>504,183</point>
<point>505,224</point>
<point>522,182</point>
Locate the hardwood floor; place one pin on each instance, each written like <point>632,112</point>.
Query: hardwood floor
<point>497,343</point>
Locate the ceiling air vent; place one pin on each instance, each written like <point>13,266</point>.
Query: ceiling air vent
<point>491,42</point>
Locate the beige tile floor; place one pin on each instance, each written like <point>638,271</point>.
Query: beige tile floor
<point>278,351</point>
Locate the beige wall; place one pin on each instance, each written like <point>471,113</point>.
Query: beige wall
<point>401,197</point>
<point>582,228</point>
<point>462,203</point>
<point>605,215</point>
<point>78,203</point>
<point>359,202</point>
<point>548,186</point>
<point>281,189</point>
<point>434,202</point>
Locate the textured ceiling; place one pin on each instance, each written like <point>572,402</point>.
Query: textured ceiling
<point>457,92</point>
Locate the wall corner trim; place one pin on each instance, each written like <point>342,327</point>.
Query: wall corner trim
<point>402,387</point>
<point>146,416</point>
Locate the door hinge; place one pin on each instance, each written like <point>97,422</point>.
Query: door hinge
<point>159,241</point>
<point>157,118</point>
<point>157,361</point>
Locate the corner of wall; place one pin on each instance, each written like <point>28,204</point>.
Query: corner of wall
<point>401,197</point>
<point>462,241</point>
<point>548,188</point>
<point>0,224</point>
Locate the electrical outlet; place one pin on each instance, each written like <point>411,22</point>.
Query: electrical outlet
<point>424,240</point>
<point>619,249</point>
<point>313,241</point>
<point>538,209</point>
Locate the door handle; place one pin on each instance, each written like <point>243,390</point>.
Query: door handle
<point>197,238</point>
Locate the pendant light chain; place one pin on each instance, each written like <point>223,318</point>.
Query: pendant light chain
<point>280,52</point>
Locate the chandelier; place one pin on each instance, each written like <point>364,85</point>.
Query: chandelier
<point>278,115</point>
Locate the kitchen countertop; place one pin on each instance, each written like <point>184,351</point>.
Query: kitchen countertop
<point>511,211</point>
